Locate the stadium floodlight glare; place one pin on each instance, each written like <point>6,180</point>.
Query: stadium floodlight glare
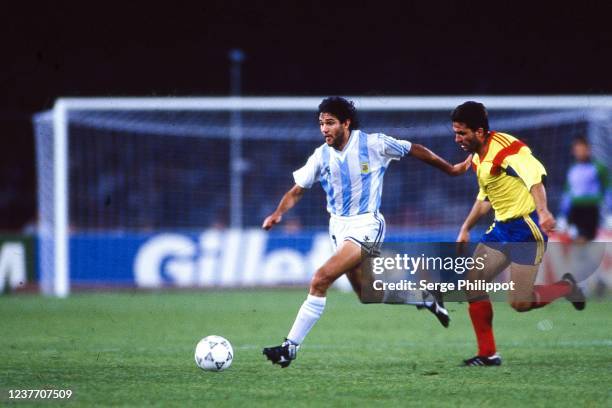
<point>67,140</point>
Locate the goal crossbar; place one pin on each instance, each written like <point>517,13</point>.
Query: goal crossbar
<point>58,285</point>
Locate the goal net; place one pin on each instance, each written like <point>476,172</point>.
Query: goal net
<point>115,173</point>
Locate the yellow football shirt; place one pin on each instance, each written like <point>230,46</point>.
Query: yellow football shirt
<point>506,174</point>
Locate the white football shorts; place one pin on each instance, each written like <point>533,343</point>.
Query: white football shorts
<point>366,230</point>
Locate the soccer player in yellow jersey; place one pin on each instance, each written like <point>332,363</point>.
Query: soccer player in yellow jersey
<point>511,181</point>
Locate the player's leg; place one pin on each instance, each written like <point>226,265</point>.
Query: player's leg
<point>367,232</point>
<point>586,220</point>
<point>527,295</point>
<point>480,308</point>
<point>522,297</point>
<point>362,284</point>
<point>348,257</point>
<point>495,262</point>
<point>345,259</point>
<point>526,258</point>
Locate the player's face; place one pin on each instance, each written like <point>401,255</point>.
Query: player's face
<point>469,140</point>
<point>334,131</point>
<point>581,151</point>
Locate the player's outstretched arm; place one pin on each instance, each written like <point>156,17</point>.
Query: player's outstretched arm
<point>290,199</point>
<point>480,208</point>
<point>547,221</point>
<point>424,154</point>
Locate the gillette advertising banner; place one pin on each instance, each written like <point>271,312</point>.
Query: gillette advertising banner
<point>214,258</point>
<point>249,258</point>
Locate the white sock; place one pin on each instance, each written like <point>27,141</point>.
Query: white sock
<point>309,313</point>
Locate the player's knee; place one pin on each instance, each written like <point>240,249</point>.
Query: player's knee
<point>321,281</point>
<point>521,306</point>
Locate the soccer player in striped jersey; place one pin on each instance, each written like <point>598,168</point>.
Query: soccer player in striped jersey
<point>350,166</point>
<point>511,181</point>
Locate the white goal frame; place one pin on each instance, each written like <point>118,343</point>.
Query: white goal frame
<point>59,285</point>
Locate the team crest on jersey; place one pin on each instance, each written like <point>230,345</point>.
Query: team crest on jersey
<point>365,168</point>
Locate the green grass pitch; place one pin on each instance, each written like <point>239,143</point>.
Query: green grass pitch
<point>136,349</point>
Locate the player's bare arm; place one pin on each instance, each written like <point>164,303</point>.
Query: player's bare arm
<point>480,208</point>
<point>289,200</point>
<point>546,219</point>
<point>424,154</point>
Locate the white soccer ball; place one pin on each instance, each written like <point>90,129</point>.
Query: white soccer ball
<point>214,353</point>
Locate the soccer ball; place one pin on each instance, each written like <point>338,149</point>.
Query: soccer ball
<point>214,353</point>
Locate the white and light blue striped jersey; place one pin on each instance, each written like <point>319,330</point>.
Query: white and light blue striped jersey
<point>352,178</point>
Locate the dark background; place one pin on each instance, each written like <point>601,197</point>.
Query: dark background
<point>293,48</point>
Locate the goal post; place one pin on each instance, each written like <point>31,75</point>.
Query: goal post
<point>127,138</point>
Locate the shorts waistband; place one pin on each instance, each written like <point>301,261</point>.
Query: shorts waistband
<point>520,217</point>
<point>347,218</point>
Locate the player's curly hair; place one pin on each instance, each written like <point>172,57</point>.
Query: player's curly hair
<point>473,114</point>
<point>341,108</point>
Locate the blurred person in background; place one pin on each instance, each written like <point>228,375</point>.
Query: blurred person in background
<point>584,198</point>
<point>585,192</point>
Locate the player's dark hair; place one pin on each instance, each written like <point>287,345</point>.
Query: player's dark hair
<point>473,114</point>
<point>581,140</point>
<point>341,108</point>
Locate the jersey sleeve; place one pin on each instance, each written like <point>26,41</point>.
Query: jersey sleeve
<point>605,177</point>
<point>308,174</point>
<point>526,166</point>
<point>392,148</point>
<point>602,174</point>
<point>482,196</point>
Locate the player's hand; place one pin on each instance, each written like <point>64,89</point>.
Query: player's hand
<point>464,236</point>
<point>462,239</point>
<point>547,221</point>
<point>271,220</point>
<point>462,167</point>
